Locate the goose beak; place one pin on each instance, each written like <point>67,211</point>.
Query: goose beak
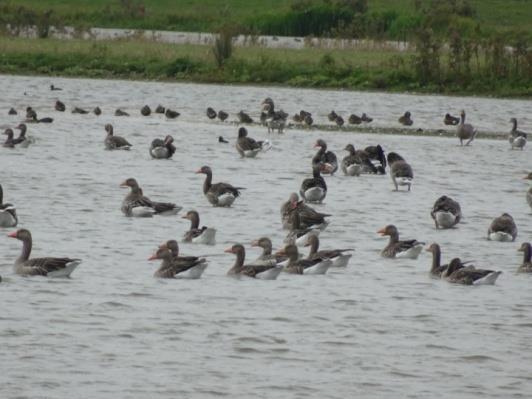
<point>255,243</point>
<point>153,257</point>
<point>281,252</point>
<point>382,232</point>
<point>13,234</point>
<point>185,216</point>
<point>198,171</point>
<point>229,250</point>
<point>123,184</point>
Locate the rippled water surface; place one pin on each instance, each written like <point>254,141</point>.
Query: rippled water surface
<point>379,328</point>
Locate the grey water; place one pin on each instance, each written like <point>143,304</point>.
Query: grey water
<point>379,328</point>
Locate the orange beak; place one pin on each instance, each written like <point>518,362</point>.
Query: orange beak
<point>123,184</point>
<point>153,257</point>
<point>382,231</point>
<point>13,234</point>
<point>185,216</point>
<point>198,171</point>
<point>281,252</point>
<point>255,243</point>
<point>229,250</point>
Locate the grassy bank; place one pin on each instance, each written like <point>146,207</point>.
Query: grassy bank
<point>348,69</point>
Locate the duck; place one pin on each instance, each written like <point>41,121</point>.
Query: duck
<point>171,114</point>
<point>12,111</point>
<point>526,266</point>
<point>60,106</point>
<point>222,140</point>
<point>97,111</point>
<point>8,213</point>
<point>162,149</point>
<point>529,192</point>
<point>222,115</point>
<point>145,110</point>
<point>244,118</point>
<point>517,138</point>
<point>263,272</point>
<point>354,119</point>
<point>54,88</point>
<point>357,162</point>
<point>77,110</point>
<point>332,116</point>
<point>325,160</point>
<point>406,119</point>
<point>503,229</point>
<point>50,267</point>
<point>298,265</point>
<point>451,120</point>
<point>446,212</point>
<point>120,112</point>
<point>9,143</point>
<point>399,249</point>
<point>339,257</point>
<point>248,147</point>
<point>160,109</point>
<point>211,113</point>
<point>204,235</point>
<point>456,273</point>
<point>400,171</point>
<point>267,257</point>
<point>366,119</point>
<point>465,131</point>
<point>135,204</point>
<point>218,194</point>
<point>297,234</point>
<point>314,189</point>
<point>113,142</point>
<point>308,217</point>
<point>175,266</point>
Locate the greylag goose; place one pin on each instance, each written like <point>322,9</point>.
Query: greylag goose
<point>22,139</point>
<point>465,131</point>
<point>308,121</point>
<point>332,116</point>
<point>77,110</point>
<point>135,204</point>
<point>60,106</point>
<point>325,160</point>
<point>517,138</point>
<point>97,111</point>
<point>8,213</point>
<point>12,111</point>
<point>211,113</point>
<point>526,266</point>
<point>113,142</point>
<point>529,192</point>
<point>218,194</point>
<point>267,257</point>
<point>145,111</point>
<point>437,268</point>
<point>400,171</point>
<point>451,120</point>
<point>502,228</point>
<point>366,119</point>
<point>377,157</point>
<point>175,266</point>
<point>357,162</point>
<point>54,88</point>
<point>354,119</point>
<point>308,217</point>
<point>244,118</point>
<point>264,272</point>
<point>297,234</point>
<point>446,212</point>
<point>171,114</point>
<point>222,115</point>
<point>399,249</point>
<point>120,112</point>
<point>160,109</point>
<point>406,119</point>
<point>339,121</point>
<point>297,118</point>
<point>9,143</point>
<point>297,265</point>
<point>248,147</point>
<point>275,120</point>
<point>51,267</point>
<point>204,235</point>
<point>314,189</point>
<point>31,115</point>
<point>162,149</point>
<point>458,274</point>
<point>338,256</point>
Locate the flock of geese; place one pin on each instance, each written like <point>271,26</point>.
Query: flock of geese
<point>303,222</point>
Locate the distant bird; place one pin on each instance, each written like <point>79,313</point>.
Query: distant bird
<point>502,228</point>
<point>332,116</point>
<point>244,118</point>
<point>170,114</point>
<point>458,274</point>
<point>377,157</point>
<point>314,189</point>
<point>54,88</point>
<point>113,142</point>
<point>248,147</point>
<point>296,265</point>
<point>298,234</point>
<point>8,213</point>
<point>145,110</point>
<point>325,160</point>
<point>77,110</point>
<point>517,138</point>
<point>400,171</point>
<point>211,113</point>
<point>366,119</point>
<point>97,111</point>
<point>160,109</point>
<point>339,121</point>
<point>446,212</point>
<point>12,111</point>
<point>222,115</point>
<point>218,194</point>
<point>222,140</point>
<point>189,267</point>
<point>135,204</point>
<point>196,234</point>
<point>406,119</point>
<point>354,119</point>
<point>339,257</point>
<point>399,249</point>
<point>526,266</point>
<point>358,162</point>
<point>162,149</point>
<point>451,120</point>
<point>308,121</point>
<point>529,192</point>
<point>120,112</point>
<point>59,106</point>
<point>264,272</point>
<point>465,131</point>
<point>275,120</point>
<point>308,217</point>
<point>9,139</point>
<point>22,139</point>
<point>31,115</point>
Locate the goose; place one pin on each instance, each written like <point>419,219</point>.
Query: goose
<point>308,121</point>
<point>297,118</point>
<point>267,257</point>
<point>517,138</point>
<point>339,121</point>
<point>377,157</point>
<point>366,119</point>
<point>529,192</point>
<point>8,213</point>
<point>211,113</point>
<point>31,115</point>
<point>465,131</point>
<point>218,194</point>
<point>297,234</point>
<point>456,273</point>
<point>399,249</point>
<point>97,111</point>
<point>12,111</point>
<point>503,229</point>
<point>54,88</point>
<point>248,147</point>
<point>308,217</point>
<point>244,118</point>
<point>9,143</point>
<point>446,212</point>
<point>120,112</point>
<point>170,114</point>
<point>175,266</point>
<point>222,140</point>
<point>135,204</point>
<point>451,120</point>
<point>275,120</point>
<point>338,256</point>
<point>354,119</point>
<point>357,162</point>
<point>22,139</point>
<point>222,115</point>
<point>406,119</point>
<point>162,149</point>
<point>297,265</point>
<point>437,268</point>
<point>145,111</point>
<point>263,272</point>
<point>113,142</point>
<point>77,110</point>
<point>332,116</point>
<point>160,109</point>
<point>50,267</point>
<point>526,266</point>
<point>400,171</point>
<point>314,189</point>
<point>325,160</point>
<point>59,106</point>
<point>204,235</point>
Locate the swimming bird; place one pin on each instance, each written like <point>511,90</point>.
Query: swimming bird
<point>9,139</point>
<point>177,267</point>
<point>222,140</point>
<point>354,119</point>
<point>526,266</point>
<point>400,171</point>
<point>97,111</point>
<point>120,112</point>
<point>297,265</point>
<point>517,138</point>
<point>244,118</point>
<point>339,121</point>
<point>446,212</point>
<point>314,189</point>
<point>171,114</point>
<point>339,257</point>
<point>22,139</point>
<point>458,274</point>
<point>502,228</point>
<point>529,192</point>
<point>31,115</point>
<point>222,115</point>
<point>357,162</point>
<point>264,272</point>
<point>51,267</point>
<point>465,131</point>
<point>218,194</point>
<point>60,106</point>
<point>204,235</point>
<point>77,110</point>
<point>308,217</point>
<point>113,142</point>
<point>366,119</point>
<point>399,249</point>
<point>160,109</point>
<point>145,110</point>
<point>248,147</point>
<point>332,116</point>
<point>8,213</point>
<point>451,120</point>
<point>162,149</point>
<point>211,113</point>
<point>297,234</point>
<point>54,88</point>
<point>325,160</point>
<point>135,204</point>
<point>12,111</point>
<point>437,268</point>
<point>267,257</point>
<point>406,119</point>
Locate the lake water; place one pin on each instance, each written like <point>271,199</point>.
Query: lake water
<point>379,328</point>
